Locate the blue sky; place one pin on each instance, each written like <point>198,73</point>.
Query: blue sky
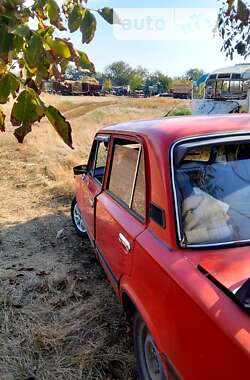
<point>171,57</point>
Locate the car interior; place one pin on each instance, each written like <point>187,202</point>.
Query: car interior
<point>213,188</point>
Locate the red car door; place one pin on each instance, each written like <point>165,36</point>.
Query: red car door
<point>91,183</point>
<point>120,208</point>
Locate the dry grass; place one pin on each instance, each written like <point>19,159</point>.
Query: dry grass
<point>71,333</point>
<point>87,115</point>
<point>59,318</point>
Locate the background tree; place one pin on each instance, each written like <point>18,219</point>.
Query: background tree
<point>29,55</point>
<point>158,78</point>
<point>194,74</point>
<point>136,82</point>
<point>74,73</point>
<point>107,85</point>
<point>234,27</point>
<point>119,72</point>
<point>142,72</point>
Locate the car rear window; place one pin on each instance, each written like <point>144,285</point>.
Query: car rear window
<point>212,185</point>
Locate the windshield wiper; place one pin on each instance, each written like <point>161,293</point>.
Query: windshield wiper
<point>243,295</point>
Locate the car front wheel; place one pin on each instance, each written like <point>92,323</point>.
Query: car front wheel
<point>77,219</point>
<point>149,366</point>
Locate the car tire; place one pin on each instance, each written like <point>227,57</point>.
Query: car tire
<point>77,219</point>
<point>148,362</point>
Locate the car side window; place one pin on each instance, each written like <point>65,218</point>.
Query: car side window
<point>138,203</point>
<point>100,160</point>
<point>127,176</point>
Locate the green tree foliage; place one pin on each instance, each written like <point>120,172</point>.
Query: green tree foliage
<point>160,79</point>
<point>233,25</point>
<point>122,74</point>
<point>119,72</point>
<point>142,72</point>
<point>194,74</point>
<point>29,55</point>
<point>136,82</point>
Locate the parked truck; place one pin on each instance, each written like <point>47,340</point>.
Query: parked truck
<point>86,86</point>
<point>182,90</point>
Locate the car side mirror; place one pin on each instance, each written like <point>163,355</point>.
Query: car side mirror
<point>80,169</point>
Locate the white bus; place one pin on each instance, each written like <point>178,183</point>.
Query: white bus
<point>222,91</point>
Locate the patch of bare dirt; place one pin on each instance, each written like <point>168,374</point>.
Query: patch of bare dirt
<point>59,318</point>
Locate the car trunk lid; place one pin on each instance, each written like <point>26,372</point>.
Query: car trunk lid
<point>229,270</point>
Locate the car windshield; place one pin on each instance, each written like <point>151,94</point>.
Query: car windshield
<point>212,188</point>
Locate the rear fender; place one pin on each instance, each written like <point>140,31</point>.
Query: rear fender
<point>126,289</point>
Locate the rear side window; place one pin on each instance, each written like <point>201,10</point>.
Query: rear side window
<point>138,203</point>
<point>127,177</point>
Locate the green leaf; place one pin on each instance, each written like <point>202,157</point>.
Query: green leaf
<point>6,43</point>
<point>60,124</point>
<point>59,47</point>
<point>46,32</point>
<point>2,119</point>
<point>18,43</point>
<point>38,8</point>
<point>8,84</point>
<point>64,64</point>
<point>42,71</point>
<point>243,11</point>
<point>22,31</point>
<point>39,3</point>
<point>54,14</point>
<point>75,18</point>
<point>88,27</point>
<point>33,51</point>
<point>84,61</point>
<point>26,110</point>
<point>108,14</point>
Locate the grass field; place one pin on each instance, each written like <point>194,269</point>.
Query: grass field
<point>59,318</point>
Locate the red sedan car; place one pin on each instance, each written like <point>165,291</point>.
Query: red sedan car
<point>166,205</point>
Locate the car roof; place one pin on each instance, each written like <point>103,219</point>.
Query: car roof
<point>171,129</point>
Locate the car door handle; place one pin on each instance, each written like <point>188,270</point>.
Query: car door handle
<point>124,242</point>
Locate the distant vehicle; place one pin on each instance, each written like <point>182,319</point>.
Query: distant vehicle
<point>225,90</point>
<point>120,90</point>
<point>182,90</point>
<point>152,90</point>
<point>48,86</point>
<point>165,95</point>
<point>165,204</point>
<point>86,86</point>
<point>137,94</point>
